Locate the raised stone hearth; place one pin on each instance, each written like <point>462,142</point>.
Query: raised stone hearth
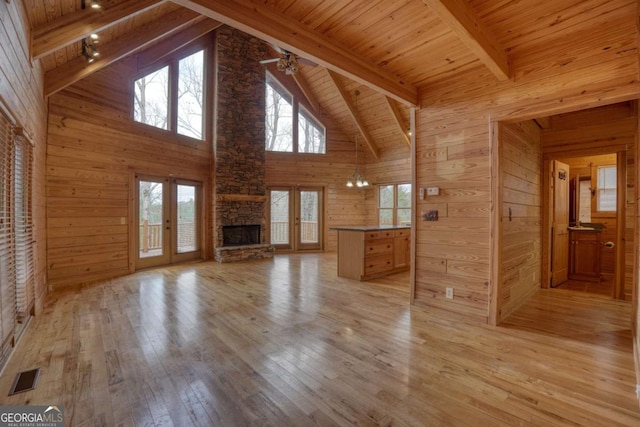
<point>244,252</point>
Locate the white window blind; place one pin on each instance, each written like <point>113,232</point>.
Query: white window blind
<point>23,226</point>
<point>7,256</point>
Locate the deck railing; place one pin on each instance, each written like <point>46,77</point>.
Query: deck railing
<point>151,236</point>
<point>280,232</point>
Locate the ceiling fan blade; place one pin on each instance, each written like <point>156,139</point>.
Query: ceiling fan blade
<point>267,61</point>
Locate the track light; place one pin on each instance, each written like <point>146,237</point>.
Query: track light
<point>89,50</point>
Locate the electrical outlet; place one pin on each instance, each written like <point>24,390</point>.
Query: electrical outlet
<point>638,391</point>
<point>449,293</point>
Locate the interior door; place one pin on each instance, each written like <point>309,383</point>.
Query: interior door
<point>560,223</point>
<point>296,218</point>
<point>168,219</point>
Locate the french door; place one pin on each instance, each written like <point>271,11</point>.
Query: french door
<point>168,219</point>
<point>295,218</point>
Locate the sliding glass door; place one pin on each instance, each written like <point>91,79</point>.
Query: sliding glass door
<point>168,219</point>
<point>296,218</point>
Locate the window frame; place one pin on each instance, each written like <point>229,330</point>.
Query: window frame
<point>395,208</point>
<point>173,64</point>
<point>298,108</point>
<point>599,188</point>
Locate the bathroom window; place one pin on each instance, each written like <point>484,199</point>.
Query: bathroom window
<point>394,204</point>
<point>606,191</point>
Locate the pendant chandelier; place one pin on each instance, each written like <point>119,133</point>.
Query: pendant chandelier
<point>356,178</point>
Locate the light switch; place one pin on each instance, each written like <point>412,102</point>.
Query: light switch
<point>433,191</point>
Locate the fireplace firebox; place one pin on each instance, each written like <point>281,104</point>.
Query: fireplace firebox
<point>238,235</point>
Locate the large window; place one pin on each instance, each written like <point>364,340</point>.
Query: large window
<point>606,195</point>
<point>289,126</point>
<point>17,279</point>
<point>394,204</point>
<point>161,103</point>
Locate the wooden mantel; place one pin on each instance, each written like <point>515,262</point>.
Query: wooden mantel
<point>241,198</point>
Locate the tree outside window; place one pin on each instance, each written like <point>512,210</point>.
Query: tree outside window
<point>154,96</point>
<point>279,117</point>
<point>281,120</point>
<point>394,204</point>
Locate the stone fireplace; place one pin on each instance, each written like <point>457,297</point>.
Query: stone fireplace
<point>239,181</point>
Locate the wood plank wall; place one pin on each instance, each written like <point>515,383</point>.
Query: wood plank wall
<point>521,179</point>
<point>453,138</point>
<point>93,150</point>
<point>600,131</point>
<point>21,89</point>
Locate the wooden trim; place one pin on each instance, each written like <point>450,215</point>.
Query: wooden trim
<point>621,206</point>
<point>414,207</point>
<point>133,236</point>
<point>495,227</point>
<point>241,198</point>
<point>546,224</point>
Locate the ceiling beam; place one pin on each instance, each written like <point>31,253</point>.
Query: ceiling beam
<point>463,21</point>
<point>77,69</point>
<point>397,116</point>
<point>263,22</point>
<point>176,42</point>
<point>352,112</point>
<point>75,26</point>
<point>306,91</point>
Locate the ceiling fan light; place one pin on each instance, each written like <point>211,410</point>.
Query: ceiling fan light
<point>95,4</point>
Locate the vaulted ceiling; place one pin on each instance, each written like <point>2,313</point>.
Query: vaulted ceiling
<point>389,50</point>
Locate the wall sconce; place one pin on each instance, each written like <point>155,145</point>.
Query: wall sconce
<point>89,50</point>
<point>93,4</point>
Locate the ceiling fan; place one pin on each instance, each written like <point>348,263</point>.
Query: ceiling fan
<point>287,61</point>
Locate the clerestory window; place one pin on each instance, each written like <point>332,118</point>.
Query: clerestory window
<point>172,97</point>
<point>289,126</point>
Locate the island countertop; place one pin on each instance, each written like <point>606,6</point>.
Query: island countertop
<point>370,227</point>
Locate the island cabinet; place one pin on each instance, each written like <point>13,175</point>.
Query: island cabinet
<point>368,252</point>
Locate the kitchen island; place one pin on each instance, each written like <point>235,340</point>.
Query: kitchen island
<point>365,252</point>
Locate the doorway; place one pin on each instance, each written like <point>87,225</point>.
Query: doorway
<point>295,218</point>
<point>595,204</point>
<point>168,220</point>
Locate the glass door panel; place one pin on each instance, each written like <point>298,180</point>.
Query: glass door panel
<point>185,202</point>
<point>280,212</point>
<point>309,214</point>
<point>168,221</point>
<point>153,222</point>
<point>186,209</point>
<point>296,218</point>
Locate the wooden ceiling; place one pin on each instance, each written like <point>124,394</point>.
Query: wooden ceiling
<point>389,50</point>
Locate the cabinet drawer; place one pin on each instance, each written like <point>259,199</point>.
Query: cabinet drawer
<point>378,246</point>
<point>402,233</point>
<point>371,235</point>
<point>378,264</point>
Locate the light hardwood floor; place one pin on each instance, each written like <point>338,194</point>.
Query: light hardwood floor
<point>286,342</point>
